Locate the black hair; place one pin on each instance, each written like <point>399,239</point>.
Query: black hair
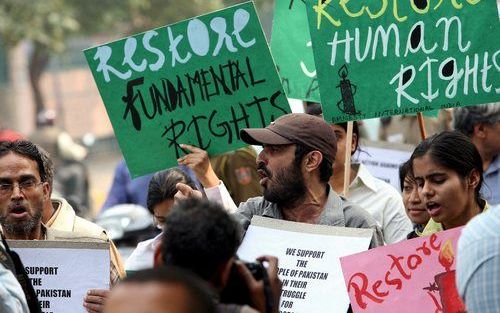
<point>405,170</point>
<point>27,149</point>
<point>200,299</point>
<point>199,236</point>
<point>313,108</point>
<point>48,166</point>
<point>325,168</point>
<point>162,186</point>
<point>454,151</point>
<point>355,131</point>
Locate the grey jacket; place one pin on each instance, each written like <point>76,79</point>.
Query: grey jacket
<point>337,212</point>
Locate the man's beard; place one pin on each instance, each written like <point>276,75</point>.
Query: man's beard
<point>22,228</point>
<point>287,187</point>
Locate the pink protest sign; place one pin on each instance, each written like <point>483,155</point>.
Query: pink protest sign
<point>417,275</point>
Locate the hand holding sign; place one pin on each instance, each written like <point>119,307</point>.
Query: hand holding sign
<point>184,192</point>
<point>95,299</point>
<point>198,81</point>
<point>199,162</point>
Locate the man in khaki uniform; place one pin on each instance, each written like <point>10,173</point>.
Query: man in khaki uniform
<point>238,171</point>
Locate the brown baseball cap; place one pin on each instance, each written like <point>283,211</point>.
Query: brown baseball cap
<point>295,128</point>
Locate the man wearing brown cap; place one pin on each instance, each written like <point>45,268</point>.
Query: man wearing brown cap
<point>294,168</point>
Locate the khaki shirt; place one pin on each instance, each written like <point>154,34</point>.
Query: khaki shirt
<point>238,170</point>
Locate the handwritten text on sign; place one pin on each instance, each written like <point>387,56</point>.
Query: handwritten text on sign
<point>63,272</point>
<point>417,275</point>
<point>292,50</point>
<point>309,265</point>
<point>198,82</point>
<point>379,58</point>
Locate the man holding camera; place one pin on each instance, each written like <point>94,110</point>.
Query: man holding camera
<point>201,237</point>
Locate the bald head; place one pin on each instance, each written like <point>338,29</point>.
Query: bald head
<point>160,290</point>
<point>152,297</point>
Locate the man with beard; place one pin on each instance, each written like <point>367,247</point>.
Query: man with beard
<point>294,168</point>
<point>24,191</point>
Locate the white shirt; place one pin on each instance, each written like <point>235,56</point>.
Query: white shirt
<point>220,195</point>
<point>143,255</point>
<point>383,202</point>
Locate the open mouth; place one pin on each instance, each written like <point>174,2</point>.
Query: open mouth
<point>263,177</point>
<point>261,173</point>
<point>18,211</point>
<point>433,208</point>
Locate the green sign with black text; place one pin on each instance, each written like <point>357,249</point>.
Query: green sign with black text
<point>196,82</point>
<point>379,58</point>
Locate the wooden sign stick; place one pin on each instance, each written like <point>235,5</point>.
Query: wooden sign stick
<point>421,125</point>
<point>347,164</point>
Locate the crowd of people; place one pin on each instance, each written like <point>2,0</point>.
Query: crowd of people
<point>452,179</point>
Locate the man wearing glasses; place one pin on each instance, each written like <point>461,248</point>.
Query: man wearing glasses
<point>24,190</point>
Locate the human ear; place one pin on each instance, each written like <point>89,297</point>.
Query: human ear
<point>313,160</point>
<point>354,143</point>
<point>474,179</point>
<point>226,270</point>
<point>479,130</point>
<point>46,189</point>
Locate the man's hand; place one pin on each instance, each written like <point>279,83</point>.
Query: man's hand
<point>95,299</point>
<point>184,192</point>
<point>257,287</point>
<point>199,162</point>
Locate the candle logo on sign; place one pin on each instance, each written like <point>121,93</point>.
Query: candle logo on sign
<point>347,90</point>
<point>444,284</point>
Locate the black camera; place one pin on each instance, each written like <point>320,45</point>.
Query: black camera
<point>236,290</point>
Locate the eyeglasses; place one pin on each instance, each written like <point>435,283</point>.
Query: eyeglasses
<point>25,187</point>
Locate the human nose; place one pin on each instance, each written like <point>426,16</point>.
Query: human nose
<point>262,158</point>
<point>16,191</point>
<point>425,191</point>
<point>414,196</point>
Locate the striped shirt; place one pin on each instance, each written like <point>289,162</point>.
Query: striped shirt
<point>478,263</point>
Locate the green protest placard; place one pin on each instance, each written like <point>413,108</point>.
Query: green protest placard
<point>379,58</point>
<point>292,50</point>
<point>196,82</point>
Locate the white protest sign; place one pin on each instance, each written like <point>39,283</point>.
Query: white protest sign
<point>383,160</point>
<point>62,272</point>
<point>309,264</point>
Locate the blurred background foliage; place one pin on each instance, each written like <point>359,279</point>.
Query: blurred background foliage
<point>49,25</point>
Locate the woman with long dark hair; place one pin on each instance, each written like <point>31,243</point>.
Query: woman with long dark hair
<point>449,172</point>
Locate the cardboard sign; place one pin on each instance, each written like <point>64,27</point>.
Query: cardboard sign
<point>196,82</point>
<point>383,159</point>
<point>380,58</point>
<point>62,272</point>
<point>309,265</point>
<point>292,50</point>
<point>413,276</point>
